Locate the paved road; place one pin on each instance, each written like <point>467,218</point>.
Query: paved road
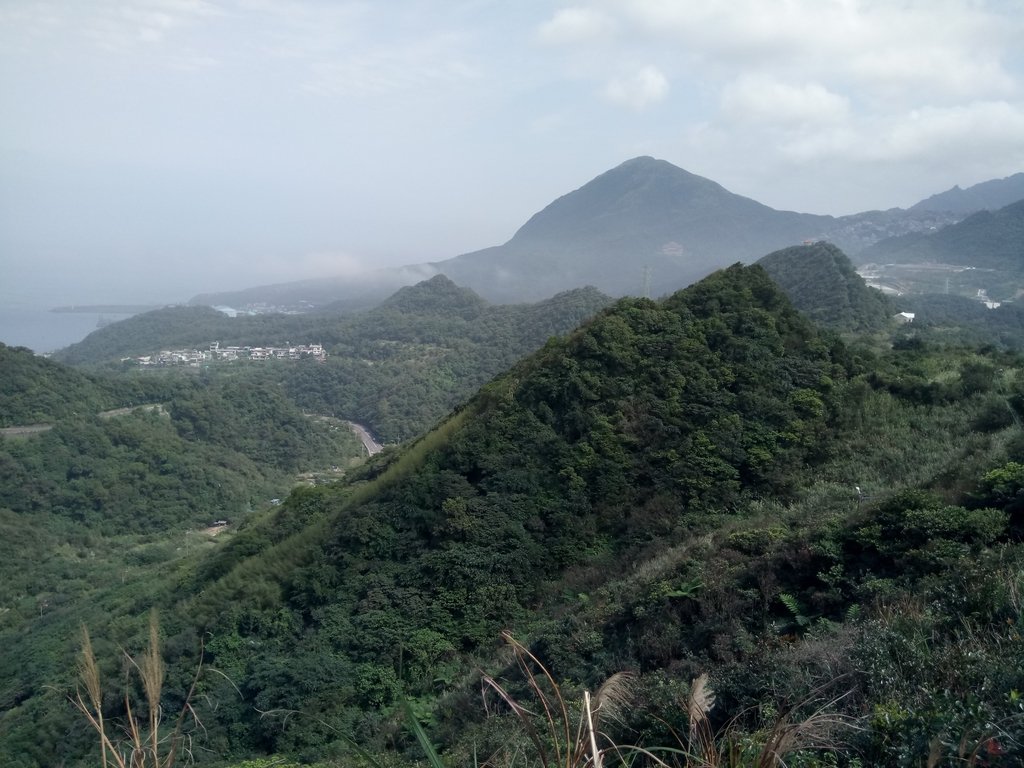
<point>32,429</point>
<point>371,445</point>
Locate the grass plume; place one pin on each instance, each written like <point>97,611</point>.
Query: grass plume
<point>145,743</point>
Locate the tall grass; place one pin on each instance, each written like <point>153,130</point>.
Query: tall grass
<point>563,737</point>
<point>563,733</point>
<point>138,740</point>
<point>567,734</point>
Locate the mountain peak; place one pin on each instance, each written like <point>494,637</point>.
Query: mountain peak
<point>821,282</point>
<point>646,162</point>
<point>645,227</point>
<point>438,294</point>
<point>642,191</point>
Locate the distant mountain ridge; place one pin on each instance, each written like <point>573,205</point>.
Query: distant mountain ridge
<point>986,240</point>
<point>396,368</point>
<point>988,195</point>
<point>984,253</point>
<point>645,227</point>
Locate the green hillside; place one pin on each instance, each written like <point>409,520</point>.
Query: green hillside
<point>38,391</point>
<point>950,319</point>
<point>987,248</point>
<point>707,484</point>
<point>98,512</point>
<point>398,368</point>
<point>820,281</point>
<point>670,490</point>
<point>181,327</point>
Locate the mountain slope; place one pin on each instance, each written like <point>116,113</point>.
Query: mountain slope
<point>677,488</point>
<point>438,295</point>
<point>988,195</point>
<point>644,227</point>
<point>645,216</point>
<point>821,282</point>
<point>638,430</point>
<point>985,240</point>
<point>568,502</point>
<point>36,390</point>
<point>397,368</point>
<point>983,256</point>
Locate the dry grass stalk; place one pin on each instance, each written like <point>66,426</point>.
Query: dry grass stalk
<point>815,732</point>
<point>89,673</point>
<point>559,743</point>
<point>143,746</point>
<point>614,695</point>
<point>698,704</point>
<point>818,731</point>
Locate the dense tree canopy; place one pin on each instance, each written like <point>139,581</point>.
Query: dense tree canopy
<point>704,484</point>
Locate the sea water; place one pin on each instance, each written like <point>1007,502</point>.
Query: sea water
<point>44,331</point>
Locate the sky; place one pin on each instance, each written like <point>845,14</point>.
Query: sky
<point>155,149</point>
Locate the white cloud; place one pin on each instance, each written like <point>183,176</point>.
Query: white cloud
<point>977,129</point>
<point>576,25</point>
<point>762,98</point>
<point>967,133</point>
<point>639,89</point>
<point>942,47</point>
<point>117,26</point>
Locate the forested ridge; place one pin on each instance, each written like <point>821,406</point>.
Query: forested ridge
<point>398,368</point>
<point>703,484</point>
<point>821,281</point>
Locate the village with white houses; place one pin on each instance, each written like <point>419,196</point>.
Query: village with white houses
<point>217,353</point>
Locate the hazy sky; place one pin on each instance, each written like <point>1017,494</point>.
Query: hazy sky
<point>153,149</point>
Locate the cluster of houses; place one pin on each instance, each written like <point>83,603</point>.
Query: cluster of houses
<point>217,353</point>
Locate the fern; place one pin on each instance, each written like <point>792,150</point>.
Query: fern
<point>794,607</point>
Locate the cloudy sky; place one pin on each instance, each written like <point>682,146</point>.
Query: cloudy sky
<point>153,149</point>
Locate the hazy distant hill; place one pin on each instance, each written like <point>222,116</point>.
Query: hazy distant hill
<point>987,239</point>
<point>178,327</point>
<point>645,226</point>
<point>988,195</point>
<point>438,294</point>
<point>821,282</point>
<point>340,294</point>
<point>985,249</point>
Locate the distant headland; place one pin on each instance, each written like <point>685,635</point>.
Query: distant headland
<point>109,309</point>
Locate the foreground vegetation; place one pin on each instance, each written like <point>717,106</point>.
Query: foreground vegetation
<point>771,540</point>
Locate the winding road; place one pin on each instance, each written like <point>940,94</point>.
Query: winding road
<point>371,445</point>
